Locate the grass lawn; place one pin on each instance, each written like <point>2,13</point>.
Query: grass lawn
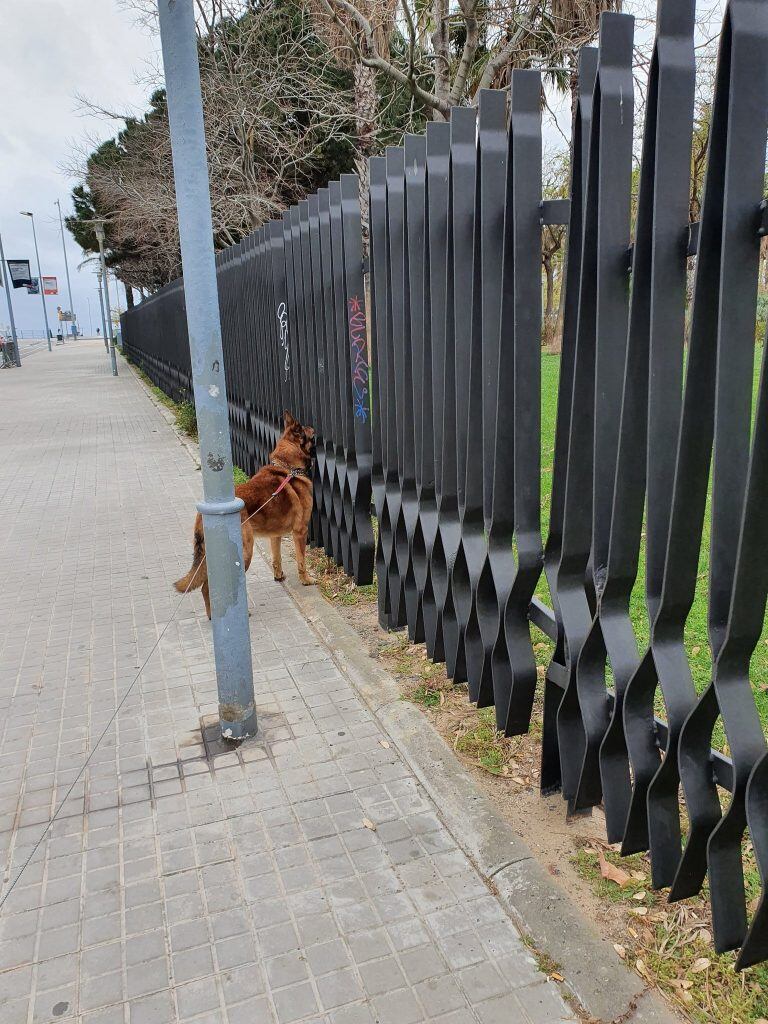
<point>696,628</point>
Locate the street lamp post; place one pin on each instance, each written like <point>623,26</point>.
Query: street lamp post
<point>220,508</point>
<point>99,229</point>
<point>73,327</point>
<point>7,285</point>
<point>27,213</point>
<point>101,304</point>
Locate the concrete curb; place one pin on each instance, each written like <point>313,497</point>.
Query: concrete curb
<point>604,987</point>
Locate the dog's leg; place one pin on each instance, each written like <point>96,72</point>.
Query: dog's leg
<point>207,599</point>
<point>300,543</point>
<point>277,559</point>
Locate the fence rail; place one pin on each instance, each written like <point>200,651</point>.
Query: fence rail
<point>450,450</point>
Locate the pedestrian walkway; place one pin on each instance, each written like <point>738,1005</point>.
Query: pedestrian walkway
<point>305,877</point>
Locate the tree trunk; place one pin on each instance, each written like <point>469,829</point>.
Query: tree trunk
<point>129,297</point>
<point>550,320</point>
<point>366,113</point>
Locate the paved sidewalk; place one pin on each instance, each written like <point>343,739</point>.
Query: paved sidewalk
<point>176,886</point>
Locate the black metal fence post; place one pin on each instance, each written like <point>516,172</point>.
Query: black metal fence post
<point>516,499</point>
<point>435,283</point>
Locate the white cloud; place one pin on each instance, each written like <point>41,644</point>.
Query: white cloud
<point>52,51</point>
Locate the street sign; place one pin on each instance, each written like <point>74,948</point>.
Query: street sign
<point>33,288</point>
<point>21,275</point>
<point>65,315</point>
<point>50,286</point>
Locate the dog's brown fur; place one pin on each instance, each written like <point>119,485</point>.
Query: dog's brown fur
<point>288,513</point>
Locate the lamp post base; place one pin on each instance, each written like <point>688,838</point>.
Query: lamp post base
<point>229,618</point>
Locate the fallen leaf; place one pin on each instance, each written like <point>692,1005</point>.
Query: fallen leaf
<point>641,968</point>
<point>611,872</point>
<point>705,935</point>
<point>384,744</point>
<point>620,949</point>
<point>369,824</point>
<point>639,911</point>
<point>639,876</point>
<point>702,964</point>
<point>639,896</point>
<point>695,650</point>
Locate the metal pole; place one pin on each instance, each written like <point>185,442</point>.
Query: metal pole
<point>99,228</point>
<point>26,213</point>
<point>103,321</point>
<point>73,327</point>
<point>7,285</point>
<point>220,509</point>
<point>90,318</point>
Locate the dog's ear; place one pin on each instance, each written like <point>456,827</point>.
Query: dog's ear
<point>288,420</point>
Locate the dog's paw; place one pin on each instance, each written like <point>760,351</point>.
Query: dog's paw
<point>280,578</point>
<point>307,581</point>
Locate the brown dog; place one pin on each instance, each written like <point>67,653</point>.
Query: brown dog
<point>288,512</point>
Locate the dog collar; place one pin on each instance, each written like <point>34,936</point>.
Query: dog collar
<point>293,470</point>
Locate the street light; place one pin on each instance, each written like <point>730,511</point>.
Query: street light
<point>26,213</point>
<point>98,227</point>
<point>101,304</point>
<point>7,284</point>
<point>66,268</point>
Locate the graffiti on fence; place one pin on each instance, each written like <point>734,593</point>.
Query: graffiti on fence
<point>358,344</point>
<point>282,319</point>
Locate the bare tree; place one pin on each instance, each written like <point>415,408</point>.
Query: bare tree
<point>451,52</point>
<point>279,121</point>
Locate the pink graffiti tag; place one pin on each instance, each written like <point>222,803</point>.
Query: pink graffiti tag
<point>358,345</point>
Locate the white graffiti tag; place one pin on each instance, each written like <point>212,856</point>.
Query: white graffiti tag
<point>282,319</point>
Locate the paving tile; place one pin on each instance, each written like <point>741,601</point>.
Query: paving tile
<point>399,1007</point>
<point>294,1003</point>
<point>287,969</point>
<point>382,976</point>
<point>338,988</point>
<point>327,956</point>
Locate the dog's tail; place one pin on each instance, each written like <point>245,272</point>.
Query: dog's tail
<point>194,578</point>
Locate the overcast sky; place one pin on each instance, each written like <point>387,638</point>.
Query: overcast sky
<point>51,51</point>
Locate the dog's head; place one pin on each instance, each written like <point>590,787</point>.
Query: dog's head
<point>301,438</point>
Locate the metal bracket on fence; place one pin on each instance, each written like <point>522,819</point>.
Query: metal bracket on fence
<point>693,237</point>
<point>555,211</point>
<point>763,229</point>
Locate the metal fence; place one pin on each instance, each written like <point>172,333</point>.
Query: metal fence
<point>450,449</point>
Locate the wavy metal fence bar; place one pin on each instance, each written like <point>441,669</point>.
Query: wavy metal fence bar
<point>450,453</point>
